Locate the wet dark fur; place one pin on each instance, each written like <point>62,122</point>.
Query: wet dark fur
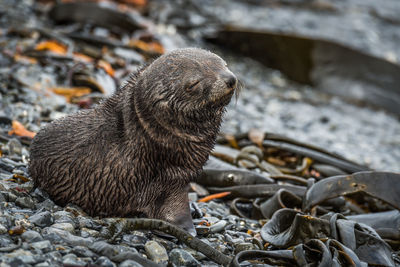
<point>136,152</point>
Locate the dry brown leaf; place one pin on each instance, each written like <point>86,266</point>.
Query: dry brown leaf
<point>52,46</point>
<point>20,130</point>
<point>107,67</point>
<point>71,92</point>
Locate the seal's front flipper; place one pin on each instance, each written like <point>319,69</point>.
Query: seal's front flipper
<point>175,209</point>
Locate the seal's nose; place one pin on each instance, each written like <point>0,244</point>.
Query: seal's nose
<point>229,78</point>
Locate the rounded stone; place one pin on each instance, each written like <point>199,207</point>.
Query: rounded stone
<point>156,252</point>
<point>64,226</point>
<point>104,261</point>
<point>41,219</point>
<point>44,246</point>
<point>3,229</point>
<point>180,257</point>
<point>72,259</point>
<point>25,202</point>
<point>129,263</point>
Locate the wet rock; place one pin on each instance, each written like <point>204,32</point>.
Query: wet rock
<point>85,222</point>
<point>5,241</point>
<point>180,257</point>
<point>16,262</point>
<point>24,256</point>
<point>3,229</point>
<point>58,235</point>
<point>64,226</point>
<point>31,236</point>
<point>108,250</point>
<point>136,241</point>
<point>72,259</point>
<point>62,213</point>
<point>156,252</point>
<point>47,204</point>
<point>85,232</point>
<point>82,251</point>
<point>104,261</point>
<point>11,197</point>
<point>44,246</point>
<point>193,196</point>
<point>244,246</point>
<point>41,219</point>
<point>25,202</point>
<point>218,227</point>
<point>54,256</point>
<point>130,263</point>
<point>14,147</point>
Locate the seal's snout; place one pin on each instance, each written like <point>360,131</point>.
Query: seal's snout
<point>229,79</point>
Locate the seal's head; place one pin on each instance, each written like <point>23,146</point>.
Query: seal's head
<point>185,88</point>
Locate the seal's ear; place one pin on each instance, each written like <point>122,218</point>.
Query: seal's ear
<point>175,209</point>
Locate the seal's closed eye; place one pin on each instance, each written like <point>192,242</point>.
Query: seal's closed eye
<point>193,85</point>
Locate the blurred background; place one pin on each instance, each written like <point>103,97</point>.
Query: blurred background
<point>322,72</point>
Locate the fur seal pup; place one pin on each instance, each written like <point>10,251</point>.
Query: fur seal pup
<point>135,153</point>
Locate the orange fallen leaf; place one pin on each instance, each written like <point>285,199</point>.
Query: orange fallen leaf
<point>82,57</point>
<point>52,46</point>
<point>151,47</point>
<point>22,178</point>
<point>204,222</point>
<point>231,140</point>
<point>71,92</point>
<point>20,130</point>
<point>106,66</point>
<point>25,59</point>
<point>214,196</point>
<point>137,3</point>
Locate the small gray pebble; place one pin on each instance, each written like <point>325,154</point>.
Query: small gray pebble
<point>130,263</point>
<point>72,259</point>
<point>44,246</point>
<point>3,229</point>
<point>64,226</point>
<point>104,261</point>
<point>156,252</point>
<point>82,251</point>
<point>218,227</point>
<point>41,219</point>
<point>244,246</point>
<point>180,257</point>
<point>25,202</point>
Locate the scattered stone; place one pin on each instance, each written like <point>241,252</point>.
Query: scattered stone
<point>41,219</point>
<point>24,256</point>
<point>245,246</point>
<point>3,229</point>
<point>218,227</point>
<point>180,257</point>
<point>193,196</point>
<point>59,235</point>
<point>72,259</point>
<point>82,251</point>
<point>156,252</point>
<point>130,263</point>
<point>64,226</point>
<point>25,202</point>
<point>104,261</point>
<point>44,246</point>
